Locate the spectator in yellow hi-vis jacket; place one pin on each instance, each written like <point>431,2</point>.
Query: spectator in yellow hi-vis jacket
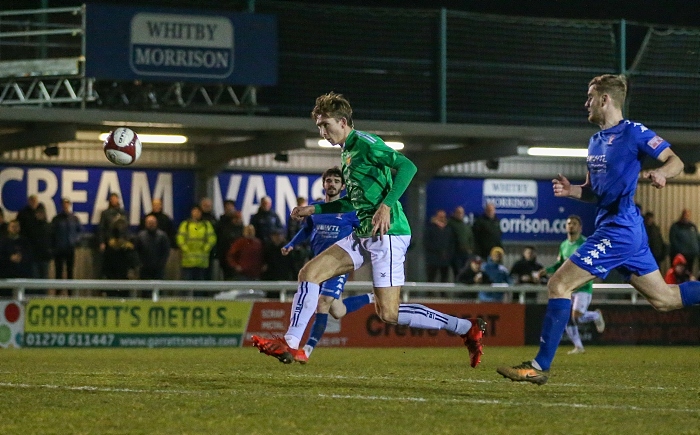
<point>195,238</point>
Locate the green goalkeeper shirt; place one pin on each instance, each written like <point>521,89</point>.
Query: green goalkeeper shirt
<point>566,250</point>
<point>367,163</point>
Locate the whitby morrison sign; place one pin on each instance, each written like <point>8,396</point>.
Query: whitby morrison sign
<point>125,43</point>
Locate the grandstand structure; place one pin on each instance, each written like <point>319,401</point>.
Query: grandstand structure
<point>466,93</point>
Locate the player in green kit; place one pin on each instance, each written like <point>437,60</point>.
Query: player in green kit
<point>581,297</point>
<point>382,238</point>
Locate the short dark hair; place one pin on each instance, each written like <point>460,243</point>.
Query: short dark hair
<point>575,217</point>
<point>333,172</point>
<point>230,201</point>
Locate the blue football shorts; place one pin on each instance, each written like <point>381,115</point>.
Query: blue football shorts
<point>614,246</point>
<point>334,286</point>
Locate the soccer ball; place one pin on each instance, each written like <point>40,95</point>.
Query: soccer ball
<point>122,146</point>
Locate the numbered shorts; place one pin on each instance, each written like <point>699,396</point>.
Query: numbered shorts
<point>334,286</point>
<point>386,254</point>
<point>619,247</point>
<point>580,301</point>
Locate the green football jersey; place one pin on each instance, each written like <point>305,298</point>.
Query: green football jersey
<point>566,250</point>
<point>366,164</point>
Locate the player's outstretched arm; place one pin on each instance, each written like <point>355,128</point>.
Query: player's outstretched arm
<point>299,213</point>
<point>564,189</point>
<point>672,166</point>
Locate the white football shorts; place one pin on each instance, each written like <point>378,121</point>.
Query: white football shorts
<point>386,254</point>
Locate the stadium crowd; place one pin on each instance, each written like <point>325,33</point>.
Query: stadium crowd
<point>226,248</point>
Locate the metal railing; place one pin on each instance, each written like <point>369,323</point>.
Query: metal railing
<point>286,288</point>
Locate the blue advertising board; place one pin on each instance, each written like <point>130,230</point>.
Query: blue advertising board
<point>89,188</point>
<point>129,43</point>
<point>247,189</point>
<point>527,209</point>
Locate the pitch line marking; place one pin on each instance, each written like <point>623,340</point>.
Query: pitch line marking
<point>508,403</point>
<point>91,388</point>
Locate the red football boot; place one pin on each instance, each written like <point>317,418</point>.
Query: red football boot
<point>473,341</point>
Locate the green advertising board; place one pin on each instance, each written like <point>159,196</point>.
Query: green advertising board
<point>134,323</point>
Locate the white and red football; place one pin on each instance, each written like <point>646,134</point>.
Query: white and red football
<point>122,146</point>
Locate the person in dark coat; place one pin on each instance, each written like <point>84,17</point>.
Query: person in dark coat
<point>683,236</point>
<point>15,255</point>
<point>658,247</point>
<point>39,238</point>
<point>439,243</point>
<point>487,231</point>
<point>165,222</point>
<point>65,231</point>
<point>265,220</point>
<point>228,230</point>
<point>153,248</point>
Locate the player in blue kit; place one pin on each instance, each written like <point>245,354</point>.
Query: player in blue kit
<point>323,230</point>
<point>615,156</point>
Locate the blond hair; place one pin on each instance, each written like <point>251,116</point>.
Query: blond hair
<point>334,106</point>
<point>613,85</point>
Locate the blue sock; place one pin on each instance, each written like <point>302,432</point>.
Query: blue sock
<point>317,330</point>
<point>354,303</point>
<point>555,320</point>
<point>690,293</point>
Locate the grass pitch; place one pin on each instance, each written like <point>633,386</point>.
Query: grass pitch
<point>608,390</point>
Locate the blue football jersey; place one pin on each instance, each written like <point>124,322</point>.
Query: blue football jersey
<point>325,229</point>
<point>614,161</point>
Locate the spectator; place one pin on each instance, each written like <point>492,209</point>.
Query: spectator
<point>153,248</point>
<point>196,238</point>
<point>207,207</point>
<point>439,245</point>
<point>15,253</point>
<point>464,246</point>
<point>678,272</point>
<point>278,267</point>
<point>120,255</point>
<point>228,230</point>
<point>471,273</point>
<point>656,242</point>
<point>527,269</point>
<point>293,225</point>
<point>207,210</point>
<point>265,220</point>
<point>109,215</point>
<point>66,231</point>
<point>39,238</point>
<point>246,255</point>
<point>165,223</point>
<point>26,216</point>
<point>3,224</point>
<point>487,231</point>
<point>683,236</point>
<point>497,273</point>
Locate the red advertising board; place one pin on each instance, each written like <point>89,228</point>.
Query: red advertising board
<point>363,328</point>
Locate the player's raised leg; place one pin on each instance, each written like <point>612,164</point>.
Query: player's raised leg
<point>328,303</point>
<point>560,286</point>
<point>665,297</point>
<point>331,262</point>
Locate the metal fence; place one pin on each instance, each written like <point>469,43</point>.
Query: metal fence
<point>617,293</point>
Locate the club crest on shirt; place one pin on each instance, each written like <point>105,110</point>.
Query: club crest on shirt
<point>348,160</point>
<point>611,139</point>
<point>655,141</point>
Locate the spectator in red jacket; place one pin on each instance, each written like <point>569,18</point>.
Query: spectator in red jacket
<point>678,273</point>
<point>246,255</point>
